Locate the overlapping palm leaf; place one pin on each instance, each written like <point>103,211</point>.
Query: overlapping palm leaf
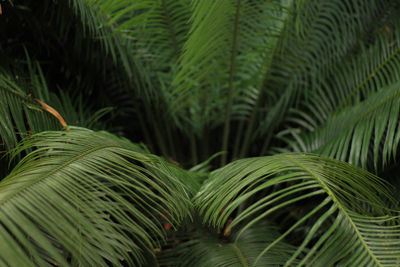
<point>349,207</point>
<point>368,133</point>
<point>86,198</point>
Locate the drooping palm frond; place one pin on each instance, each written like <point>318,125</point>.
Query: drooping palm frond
<point>367,133</point>
<point>349,205</point>
<point>206,249</point>
<point>86,198</point>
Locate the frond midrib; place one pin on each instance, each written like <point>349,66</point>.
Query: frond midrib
<point>339,205</point>
<point>58,168</point>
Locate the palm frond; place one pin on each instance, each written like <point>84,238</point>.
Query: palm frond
<point>349,205</point>
<point>86,197</point>
<point>365,134</point>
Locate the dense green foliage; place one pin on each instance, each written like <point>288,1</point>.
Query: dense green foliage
<point>199,133</point>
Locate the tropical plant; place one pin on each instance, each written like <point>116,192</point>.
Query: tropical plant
<point>199,133</point>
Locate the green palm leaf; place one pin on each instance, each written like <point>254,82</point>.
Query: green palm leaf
<point>86,198</point>
<point>363,135</point>
<point>349,206</point>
